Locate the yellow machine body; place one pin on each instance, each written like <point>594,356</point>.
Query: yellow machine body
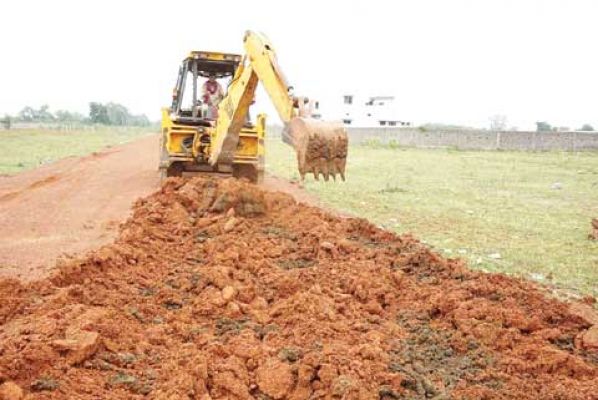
<point>182,150</point>
<point>230,142</point>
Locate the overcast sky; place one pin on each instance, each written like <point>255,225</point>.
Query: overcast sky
<point>451,61</point>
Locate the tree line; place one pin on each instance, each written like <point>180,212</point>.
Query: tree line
<point>543,126</point>
<point>99,113</point>
<point>498,122</point>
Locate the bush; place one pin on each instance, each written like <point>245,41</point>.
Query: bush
<point>393,144</point>
<point>543,126</point>
<point>587,128</point>
<point>374,143</point>
<point>6,122</point>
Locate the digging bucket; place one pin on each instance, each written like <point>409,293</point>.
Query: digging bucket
<point>321,147</point>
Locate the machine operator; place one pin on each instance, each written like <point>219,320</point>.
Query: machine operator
<point>212,94</point>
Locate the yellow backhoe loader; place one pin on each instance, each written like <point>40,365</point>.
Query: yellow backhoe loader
<point>194,139</point>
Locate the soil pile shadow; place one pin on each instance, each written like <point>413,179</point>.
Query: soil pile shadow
<point>217,290</point>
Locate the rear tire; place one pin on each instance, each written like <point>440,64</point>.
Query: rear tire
<point>174,170</point>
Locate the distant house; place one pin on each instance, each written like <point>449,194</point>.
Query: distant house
<point>374,111</point>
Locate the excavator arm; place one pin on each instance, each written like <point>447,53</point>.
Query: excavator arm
<point>321,147</point>
<point>232,114</point>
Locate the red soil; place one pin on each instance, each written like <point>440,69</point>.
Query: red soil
<point>215,289</point>
<point>75,205</point>
<point>71,206</point>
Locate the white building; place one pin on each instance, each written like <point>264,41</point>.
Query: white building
<point>369,112</point>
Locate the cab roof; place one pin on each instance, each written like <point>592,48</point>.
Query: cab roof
<point>212,62</point>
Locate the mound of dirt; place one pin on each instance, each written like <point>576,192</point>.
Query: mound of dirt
<point>217,290</point>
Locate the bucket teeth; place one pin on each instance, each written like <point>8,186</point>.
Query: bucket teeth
<point>324,169</point>
<point>321,147</point>
<point>342,173</point>
<point>332,168</point>
<point>316,174</point>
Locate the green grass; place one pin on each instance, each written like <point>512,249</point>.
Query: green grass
<point>501,211</point>
<point>22,149</point>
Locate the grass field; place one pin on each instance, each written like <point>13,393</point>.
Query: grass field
<point>521,213</point>
<point>22,149</point>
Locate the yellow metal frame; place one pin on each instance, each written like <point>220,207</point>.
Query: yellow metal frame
<point>231,141</point>
<point>249,149</point>
<point>259,64</point>
<point>214,56</point>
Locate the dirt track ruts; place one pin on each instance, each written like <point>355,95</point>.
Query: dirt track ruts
<point>76,204</point>
<point>71,206</point>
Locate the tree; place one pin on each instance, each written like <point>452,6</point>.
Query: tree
<point>68,116</point>
<point>498,122</point>
<point>44,114</point>
<point>139,120</point>
<point>7,121</point>
<point>117,114</point>
<point>543,126</point>
<point>30,114</point>
<point>98,114</point>
<point>27,114</point>
<point>587,128</point>
<point>107,114</point>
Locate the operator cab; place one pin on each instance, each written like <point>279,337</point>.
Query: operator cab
<point>187,105</point>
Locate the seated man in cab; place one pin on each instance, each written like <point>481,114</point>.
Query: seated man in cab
<point>212,94</point>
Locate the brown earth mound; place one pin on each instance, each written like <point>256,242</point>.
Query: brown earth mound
<point>217,290</point>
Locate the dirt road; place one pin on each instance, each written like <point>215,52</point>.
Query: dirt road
<point>76,204</point>
<point>71,206</point>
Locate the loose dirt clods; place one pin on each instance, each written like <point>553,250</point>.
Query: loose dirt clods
<point>287,302</point>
